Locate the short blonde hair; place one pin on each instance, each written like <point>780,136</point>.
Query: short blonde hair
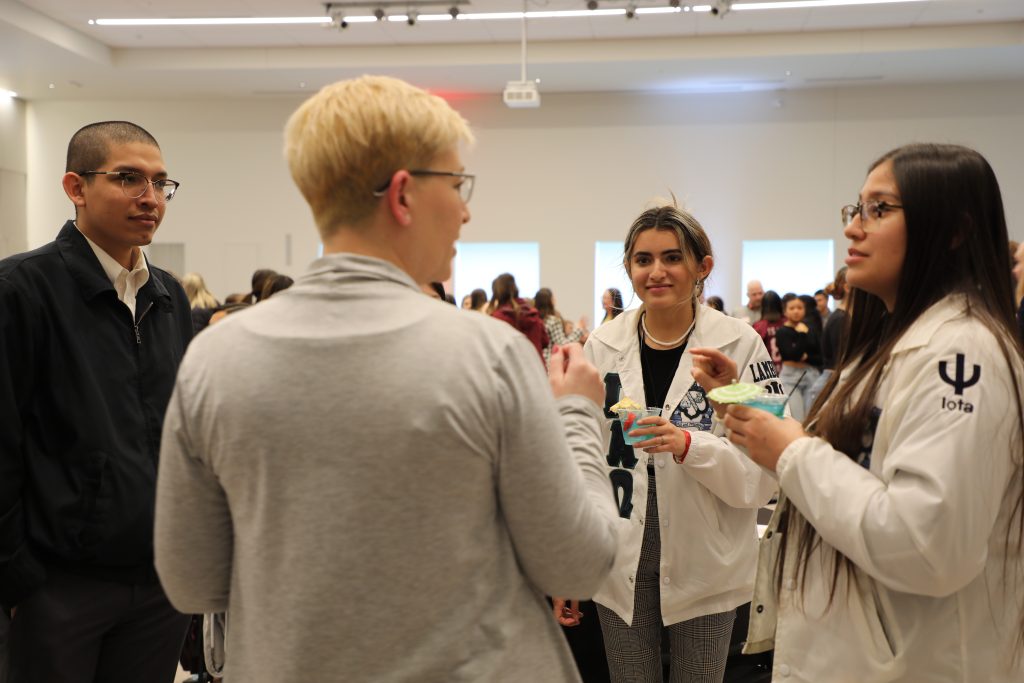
<point>347,141</point>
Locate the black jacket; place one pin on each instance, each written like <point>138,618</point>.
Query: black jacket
<point>836,331</point>
<point>83,390</point>
<point>799,346</point>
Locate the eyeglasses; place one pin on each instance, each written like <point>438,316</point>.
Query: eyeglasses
<point>870,210</point>
<point>134,185</point>
<point>465,187</point>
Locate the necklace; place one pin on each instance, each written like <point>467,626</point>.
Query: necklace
<point>648,335</point>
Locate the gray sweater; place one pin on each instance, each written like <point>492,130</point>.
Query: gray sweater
<point>378,486</point>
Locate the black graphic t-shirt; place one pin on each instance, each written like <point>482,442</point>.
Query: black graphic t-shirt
<point>659,369</point>
<point>868,439</point>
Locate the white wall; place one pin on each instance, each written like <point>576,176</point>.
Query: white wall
<point>13,171</point>
<point>579,169</point>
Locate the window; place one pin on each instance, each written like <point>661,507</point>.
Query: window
<point>478,263</point>
<point>609,273</point>
<point>800,266</point>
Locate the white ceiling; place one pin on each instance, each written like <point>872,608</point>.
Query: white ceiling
<point>44,42</point>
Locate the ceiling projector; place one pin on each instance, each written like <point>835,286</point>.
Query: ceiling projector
<point>521,95</point>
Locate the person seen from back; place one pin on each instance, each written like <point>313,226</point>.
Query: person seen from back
<point>506,305</point>
<point>560,330</point>
<point>833,336</point>
<point>768,326</point>
<point>366,515</point>
<point>201,299</point>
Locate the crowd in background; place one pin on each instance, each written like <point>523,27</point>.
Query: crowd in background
<point>353,512</point>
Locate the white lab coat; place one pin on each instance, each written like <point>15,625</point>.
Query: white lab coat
<point>708,505</point>
<point>924,524</point>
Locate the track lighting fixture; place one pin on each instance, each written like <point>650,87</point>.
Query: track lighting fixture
<point>411,16</point>
<point>371,11</point>
<point>631,11</point>
<point>721,7</point>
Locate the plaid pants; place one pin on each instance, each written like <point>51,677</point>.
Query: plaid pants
<point>699,646</point>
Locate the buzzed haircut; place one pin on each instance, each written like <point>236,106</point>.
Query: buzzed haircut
<point>90,146</point>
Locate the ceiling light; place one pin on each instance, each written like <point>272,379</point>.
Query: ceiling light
<point>811,4</point>
<point>411,16</point>
<point>8,93</point>
<point>592,11</point>
<point>212,21</point>
<point>631,11</point>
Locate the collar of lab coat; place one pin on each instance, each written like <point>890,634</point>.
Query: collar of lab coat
<point>620,333</point>
<point>939,313</point>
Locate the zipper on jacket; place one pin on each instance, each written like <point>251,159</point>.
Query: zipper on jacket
<point>138,334</point>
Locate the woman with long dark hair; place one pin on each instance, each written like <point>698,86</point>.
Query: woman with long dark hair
<point>506,305</point>
<point>895,550</point>
<point>475,300</point>
<point>560,331</point>
<point>768,326</point>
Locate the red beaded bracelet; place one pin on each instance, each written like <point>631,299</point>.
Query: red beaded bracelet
<point>680,458</point>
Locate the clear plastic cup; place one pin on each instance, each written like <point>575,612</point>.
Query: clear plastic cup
<point>629,418</point>
<point>773,403</point>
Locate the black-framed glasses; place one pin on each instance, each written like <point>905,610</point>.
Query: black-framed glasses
<point>868,210</point>
<point>465,187</point>
<point>134,184</point>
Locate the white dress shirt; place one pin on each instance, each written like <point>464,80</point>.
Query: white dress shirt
<point>126,283</point>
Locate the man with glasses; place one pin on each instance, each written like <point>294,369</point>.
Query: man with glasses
<point>386,485</point>
<point>91,336</point>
